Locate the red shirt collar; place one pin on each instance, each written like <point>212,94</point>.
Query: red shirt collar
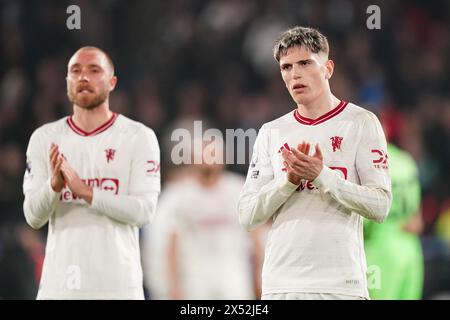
<point>330,114</point>
<point>100,129</point>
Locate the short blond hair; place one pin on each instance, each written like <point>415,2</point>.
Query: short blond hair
<point>108,58</point>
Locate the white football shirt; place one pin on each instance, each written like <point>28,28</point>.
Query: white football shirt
<point>214,251</point>
<point>316,243</point>
<point>92,251</point>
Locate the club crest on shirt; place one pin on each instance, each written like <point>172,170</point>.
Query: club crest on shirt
<point>110,154</point>
<point>336,143</point>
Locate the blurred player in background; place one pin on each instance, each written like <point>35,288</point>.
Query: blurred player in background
<point>316,200</point>
<point>393,249</point>
<point>94,177</point>
<point>196,249</point>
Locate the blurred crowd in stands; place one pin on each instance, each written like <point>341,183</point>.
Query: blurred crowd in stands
<point>184,60</point>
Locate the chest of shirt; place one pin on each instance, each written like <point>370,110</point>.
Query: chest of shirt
<point>337,141</point>
<point>213,211</point>
<point>98,157</point>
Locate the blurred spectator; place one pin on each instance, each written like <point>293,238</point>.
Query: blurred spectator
<point>195,248</point>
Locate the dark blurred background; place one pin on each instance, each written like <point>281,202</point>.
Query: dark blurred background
<point>182,60</point>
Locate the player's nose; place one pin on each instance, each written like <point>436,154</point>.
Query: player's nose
<point>296,73</point>
<point>84,77</point>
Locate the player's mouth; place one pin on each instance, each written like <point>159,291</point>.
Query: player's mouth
<point>85,89</point>
<point>298,87</point>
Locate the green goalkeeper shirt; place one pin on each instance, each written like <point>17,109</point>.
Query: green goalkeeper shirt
<point>392,252</point>
<point>405,195</point>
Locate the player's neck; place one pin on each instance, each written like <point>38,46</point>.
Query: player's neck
<point>318,107</point>
<point>89,120</point>
<point>208,179</point>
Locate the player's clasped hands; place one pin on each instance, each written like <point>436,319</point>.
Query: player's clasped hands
<point>300,165</point>
<point>63,174</point>
<point>56,159</point>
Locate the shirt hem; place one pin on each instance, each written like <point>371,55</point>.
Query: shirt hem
<point>89,296</point>
<point>316,290</point>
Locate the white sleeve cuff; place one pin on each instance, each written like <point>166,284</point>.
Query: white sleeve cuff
<point>52,194</point>
<point>96,198</point>
<point>325,180</point>
<point>285,187</point>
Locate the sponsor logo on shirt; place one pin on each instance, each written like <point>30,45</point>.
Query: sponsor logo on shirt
<point>306,184</point>
<point>153,167</point>
<point>342,170</point>
<point>284,146</point>
<point>105,184</point>
<point>212,222</point>
<point>381,159</point>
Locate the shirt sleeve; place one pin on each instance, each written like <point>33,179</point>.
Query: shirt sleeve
<point>372,197</point>
<point>262,194</point>
<point>139,205</point>
<point>40,199</point>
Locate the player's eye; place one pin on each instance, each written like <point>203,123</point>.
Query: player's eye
<point>75,70</point>
<point>286,67</point>
<point>304,63</point>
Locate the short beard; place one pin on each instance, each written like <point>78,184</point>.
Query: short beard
<point>88,104</point>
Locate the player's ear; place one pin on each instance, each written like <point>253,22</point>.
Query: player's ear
<point>112,83</point>
<point>329,65</point>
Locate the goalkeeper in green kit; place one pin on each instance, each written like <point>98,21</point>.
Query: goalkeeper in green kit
<point>393,249</point>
